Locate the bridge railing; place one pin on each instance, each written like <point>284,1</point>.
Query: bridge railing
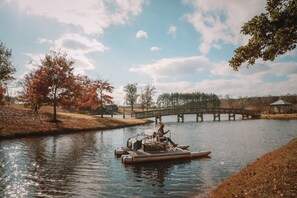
<point>166,112</point>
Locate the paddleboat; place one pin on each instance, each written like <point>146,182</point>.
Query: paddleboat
<point>145,147</point>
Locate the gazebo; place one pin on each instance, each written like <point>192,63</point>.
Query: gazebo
<point>281,106</point>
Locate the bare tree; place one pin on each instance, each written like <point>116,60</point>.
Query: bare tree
<point>131,94</point>
<point>147,95</point>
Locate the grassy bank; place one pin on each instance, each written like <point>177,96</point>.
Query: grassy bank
<point>279,116</point>
<point>20,122</point>
<point>273,175</point>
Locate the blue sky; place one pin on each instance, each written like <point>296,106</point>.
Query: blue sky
<point>177,46</point>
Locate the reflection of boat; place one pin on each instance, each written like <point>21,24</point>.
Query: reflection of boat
<point>148,149</point>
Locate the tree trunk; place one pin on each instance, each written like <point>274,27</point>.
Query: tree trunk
<point>55,107</point>
<point>55,113</point>
<point>101,103</point>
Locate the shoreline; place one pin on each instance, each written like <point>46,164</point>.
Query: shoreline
<point>272,175</point>
<point>20,123</point>
<point>279,116</point>
<point>63,131</point>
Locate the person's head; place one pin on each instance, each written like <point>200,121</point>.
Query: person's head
<point>161,124</point>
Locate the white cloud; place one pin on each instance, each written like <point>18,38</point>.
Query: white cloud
<point>77,48</point>
<point>118,95</point>
<point>220,21</point>
<point>43,40</point>
<point>154,48</point>
<point>250,81</point>
<point>93,16</point>
<point>170,87</point>
<point>173,67</point>
<point>34,61</point>
<point>78,43</point>
<point>172,31</point>
<point>141,34</point>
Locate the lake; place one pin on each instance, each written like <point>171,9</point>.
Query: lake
<point>83,164</point>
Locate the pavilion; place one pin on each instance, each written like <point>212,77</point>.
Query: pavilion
<point>281,106</point>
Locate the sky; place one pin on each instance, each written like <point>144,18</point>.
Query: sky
<point>175,45</point>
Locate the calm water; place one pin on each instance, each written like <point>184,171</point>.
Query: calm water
<point>83,164</point>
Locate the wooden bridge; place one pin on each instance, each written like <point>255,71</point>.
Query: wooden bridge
<point>246,114</point>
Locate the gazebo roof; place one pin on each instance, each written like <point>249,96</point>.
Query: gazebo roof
<point>281,102</point>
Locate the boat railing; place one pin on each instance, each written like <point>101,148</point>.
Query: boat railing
<point>149,135</point>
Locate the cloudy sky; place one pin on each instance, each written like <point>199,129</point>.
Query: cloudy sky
<point>175,45</point>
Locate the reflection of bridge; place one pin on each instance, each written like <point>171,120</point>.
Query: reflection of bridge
<point>246,114</point>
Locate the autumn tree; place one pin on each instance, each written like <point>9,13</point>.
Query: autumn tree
<point>86,94</point>
<point>103,89</point>
<point>6,69</point>
<point>131,94</point>
<point>53,82</point>
<point>273,33</point>
<point>147,95</point>
<point>34,90</point>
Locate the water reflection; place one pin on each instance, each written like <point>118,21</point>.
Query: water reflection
<point>83,164</point>
<point>155,173</point>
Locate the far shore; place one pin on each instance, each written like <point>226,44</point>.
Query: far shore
<point>292,116</point>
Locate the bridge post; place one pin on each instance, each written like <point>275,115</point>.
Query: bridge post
<point>158,118</point>
<point>180,116</point>
<point>245,116</point>
<point>199,115</point>
<point>216,116</point>
<point>231,115</point>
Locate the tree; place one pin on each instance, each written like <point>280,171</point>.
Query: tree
<point>272,33</point>
<point>86,94</point>
<point>131,94</point>
<point>103,89</point>
<point>6,69</point>
<point>35,91</point>
<point>188,100</point>
<point>60,81</point>
<point>147,95</point>
<point>53,82</point>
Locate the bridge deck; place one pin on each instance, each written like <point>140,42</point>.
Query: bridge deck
<point>166,112</point>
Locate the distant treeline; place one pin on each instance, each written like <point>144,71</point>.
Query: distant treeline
<point>188,100</point>
<point>204,100</point>
<point>256,103</point>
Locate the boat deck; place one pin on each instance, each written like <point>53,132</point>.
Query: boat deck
<point>141,153</point>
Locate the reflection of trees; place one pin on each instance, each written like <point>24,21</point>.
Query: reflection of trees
<point>64,157</point>
<point>44,166</point>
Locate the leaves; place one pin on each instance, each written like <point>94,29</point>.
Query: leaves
<point>6,69</point>
<point>188,100</point>
<point>103,88</point>
<point>54,83</point>
<point>273,175</point>
<point>272,33</point>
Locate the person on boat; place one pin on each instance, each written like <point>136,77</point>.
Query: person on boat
<point>161,135</point>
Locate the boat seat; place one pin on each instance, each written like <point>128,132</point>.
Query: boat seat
<point>154,146</point>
